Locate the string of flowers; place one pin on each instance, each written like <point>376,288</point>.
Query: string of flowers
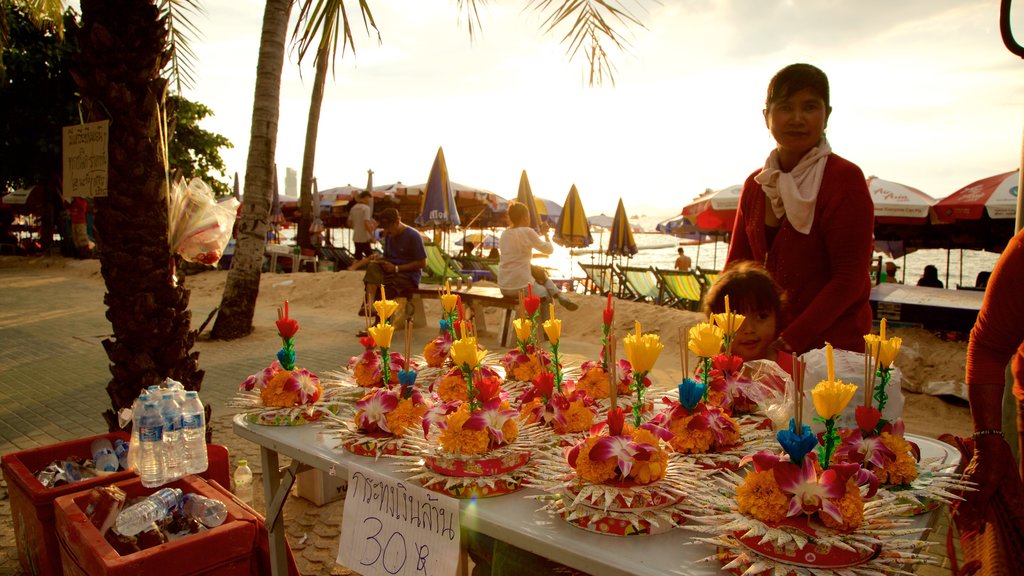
<point>468,357</point>
<point>705,340</point>
<point>642,350</point>
<point>830,398</point>
<point>286,328</point>
<point>553,328</point>
<point>886,351</point>
<point>383,332</point>
<point>449,302</point>
<point>606,327</point>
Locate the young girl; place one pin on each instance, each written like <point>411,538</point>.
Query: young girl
<point>754,294</point>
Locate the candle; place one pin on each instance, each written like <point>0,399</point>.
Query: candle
<point>551,311</point>
<point>881,332</point>
<point>637,323</point>
<point>831,363</point>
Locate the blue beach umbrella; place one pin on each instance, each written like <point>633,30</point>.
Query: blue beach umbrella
<point>525,196</point>
<point>438,208</point>
<point>621,242</point>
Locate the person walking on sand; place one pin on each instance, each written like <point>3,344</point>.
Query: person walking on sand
<point>517,244</point>
<point>361,220</point>
<point>683,262</point>
<point>808,216</point>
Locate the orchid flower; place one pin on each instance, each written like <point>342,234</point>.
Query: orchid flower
<point>492,417</point>
<point>435,416</point>
<point>375,409</point>
<point>260,379</point>
<point>864,450</point>
<point>861,476</point>
<point>719,422</point>
<point>624,450</point>
<point>809,492</point>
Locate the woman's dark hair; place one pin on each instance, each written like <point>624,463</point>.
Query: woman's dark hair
<point>794,78</point>
<point>749,287</point>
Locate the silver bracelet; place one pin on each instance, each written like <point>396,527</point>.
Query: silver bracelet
<point>981,433</point>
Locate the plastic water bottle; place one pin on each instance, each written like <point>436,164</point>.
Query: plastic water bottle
<point>121,451</point>
<point>207,511</point>
<point>193,432</point>
<point>243,482</point>
<point>103,457</point>
<point>133,446</point>
<point>138,517</point>
<point>174,446</point>
<point>150,461</point>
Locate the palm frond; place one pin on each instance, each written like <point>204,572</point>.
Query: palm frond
<point>473,20</point>
<point>324,23</point>
<point>181,31</point>
<point>589,22</point>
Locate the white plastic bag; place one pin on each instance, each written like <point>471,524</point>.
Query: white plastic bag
<point>199,226</point>
<point>849,367</point>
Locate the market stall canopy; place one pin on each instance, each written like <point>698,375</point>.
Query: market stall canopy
<point>24,200</point>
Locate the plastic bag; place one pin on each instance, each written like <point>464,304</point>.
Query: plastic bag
<point>199,226</point>
<point>849,367</point>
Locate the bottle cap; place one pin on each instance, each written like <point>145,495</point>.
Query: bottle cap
<point>243,462</point>
<point>191,394</point>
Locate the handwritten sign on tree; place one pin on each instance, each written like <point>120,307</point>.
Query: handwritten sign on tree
<point>85,159</point>
<point>394,528</point>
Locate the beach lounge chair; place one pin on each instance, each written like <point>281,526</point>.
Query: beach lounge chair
<point>706,278</point>
<point>600,278</point>
<point>678,289</point>
<point>640,284</point>
<point>440,267</point>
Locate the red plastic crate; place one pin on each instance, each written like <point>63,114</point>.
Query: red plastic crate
<point>229,549</point>
<point>32,504</point>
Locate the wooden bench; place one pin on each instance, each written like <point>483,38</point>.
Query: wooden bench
<point>476,298</point>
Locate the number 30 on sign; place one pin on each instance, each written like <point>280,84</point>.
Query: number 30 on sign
<point>391,528</point>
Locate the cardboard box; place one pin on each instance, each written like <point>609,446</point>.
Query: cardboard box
<point>319,487</point>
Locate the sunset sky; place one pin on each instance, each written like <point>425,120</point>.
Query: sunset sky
<point>923,93</point>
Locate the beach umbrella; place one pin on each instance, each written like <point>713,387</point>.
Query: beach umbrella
<point>573,230</point>
<point>237,190</point>
<point>276,214</point>
<point>548,211</point>
<point>525,196</point>
<point>438,204</point>
<point>715,209</point>
<point>621,242</point>
<point>994,197</point>
<point>317,225</point>
<point>602,220</point>
<point>479,239</point>
<point>897,203</point>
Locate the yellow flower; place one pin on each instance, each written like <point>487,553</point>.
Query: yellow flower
<point>464,352</point>
<point>382,333</point>
<point>760,496</point>
<point>523,328</point>
<point>706,340</point>
<point>553,328</point>
<point>384,307</point>
<point>890,348</point>
<point>831,397</point>
<point>902,470</point>
<point>729,322</point>
<point>448,302</point>
<point>851,508</point>
<point>642,350</point>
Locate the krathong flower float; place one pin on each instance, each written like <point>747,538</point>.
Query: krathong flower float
<point>473,447</point>
<point>369,369</point>
<point>801,512</point>
<point>384,417</point>
<point>881,446</point>
<point>595,374</point>
<point>435,352</point>
<point>281,394</point>
<point>527,360</point>
<point>619,479</point>
<point>453,384</point>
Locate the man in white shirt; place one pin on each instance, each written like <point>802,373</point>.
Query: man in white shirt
<point>361,219</point>
<point>517,244</point>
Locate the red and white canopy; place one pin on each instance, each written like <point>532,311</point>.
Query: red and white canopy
<point>715,210</point>
<point>896,203</point>
<point>995,196</point>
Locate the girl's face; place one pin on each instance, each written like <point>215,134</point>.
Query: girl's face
<point>798,122</point>
<point>755,335</point>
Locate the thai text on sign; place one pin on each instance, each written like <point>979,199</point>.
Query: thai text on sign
<point>393,528</point>
<point>85,159</point>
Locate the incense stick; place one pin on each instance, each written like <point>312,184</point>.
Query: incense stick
<point>367,306</point>
<point>867,376</point>
<point>613,369</point>
<point>408,341</point>
<point>798,392</point>
<point>683,359</point>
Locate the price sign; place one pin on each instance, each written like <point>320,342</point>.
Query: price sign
<point>85,159</point>
<point>393,528</point>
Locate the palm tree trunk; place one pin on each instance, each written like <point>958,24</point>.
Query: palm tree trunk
<point>309,152</point>
<point>238,303</point>
<point>123,49</point>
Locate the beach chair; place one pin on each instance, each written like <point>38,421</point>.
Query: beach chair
<point>600,278</point>
<point>475,267</point>
<point>440,267</point>
<point>706,278</point>
<point>640,284</point>
<point>678,289</point>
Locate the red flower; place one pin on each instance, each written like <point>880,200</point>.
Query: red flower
<point>531,302</point>
<point>487,385</point>
<point>544,384</point>
<point>286,327</point>
<point>867,418</point>
<point>609,312</point>
<point>615,419</point>
<point>367,342</point>
<point>458,306</point>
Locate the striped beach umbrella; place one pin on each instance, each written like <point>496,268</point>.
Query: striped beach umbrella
<point>438,207</point>
<point>525,196</point>
<point>621,242</point>
<point>573,230</point>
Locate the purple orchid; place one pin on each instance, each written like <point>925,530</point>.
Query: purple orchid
<point>809,492</point>
<point>261,378</point>
<point>375,409</point>
<point>306,384</point>
<point>435,416</point>
<point>624,449</point>
<point>863,450</point>
<point>659,429</point>
<point>492,417</point>
<point>718,422</point>
<point>860,475</point>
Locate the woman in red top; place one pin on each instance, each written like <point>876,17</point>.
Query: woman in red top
<point>808,217</point>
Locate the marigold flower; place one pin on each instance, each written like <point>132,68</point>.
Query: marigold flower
<point>760,497</point>
<point>382,333</point>
<point>405,416</point>
<point>831,397</point>
<point>690,439</point>
<point>705,340</point>
<point>642,350</point>
<point>902,470</point>
<point>595,471</point>
<point>851,508</point>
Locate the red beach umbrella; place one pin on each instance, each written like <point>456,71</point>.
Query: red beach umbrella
<point>715,210</point>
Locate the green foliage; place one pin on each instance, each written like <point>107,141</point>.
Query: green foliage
<point>194,151</point>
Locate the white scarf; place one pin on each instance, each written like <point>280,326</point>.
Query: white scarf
<point>795,193</point>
